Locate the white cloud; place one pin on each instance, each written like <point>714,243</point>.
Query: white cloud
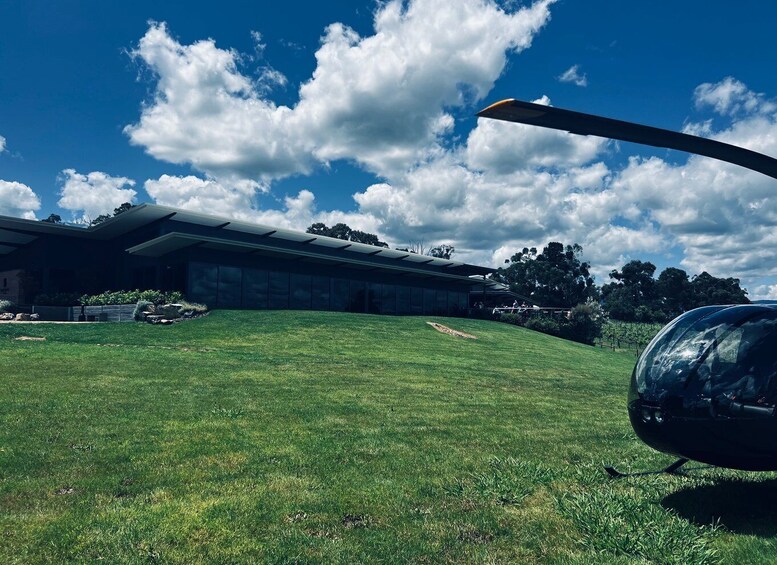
<point>496,192</point>
<point>573,75</point>
<point>88,196</point>
<point>380,100</point>
<point>2,144</point>
<point>384,101</point>
<point>504,147</point>
<point>236,200</point>
<point>18,200</point>
<point>730,97</point>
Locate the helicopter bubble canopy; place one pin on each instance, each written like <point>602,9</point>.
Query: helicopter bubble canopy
<point>707,384</point>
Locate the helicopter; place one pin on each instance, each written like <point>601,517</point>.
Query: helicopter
<point>705,388</point>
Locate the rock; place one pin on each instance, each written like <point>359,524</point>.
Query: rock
<point>22,317</point>
<point>169,311</point>
<point>34,317</point>
<point>7,317</point>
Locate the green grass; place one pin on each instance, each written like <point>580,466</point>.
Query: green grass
<point>321,437</point>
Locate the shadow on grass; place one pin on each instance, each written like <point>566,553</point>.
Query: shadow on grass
<point>740,506</point>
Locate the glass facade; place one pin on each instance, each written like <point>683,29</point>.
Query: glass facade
<point>299,291</point>
<point>230,287</point>
<point>256,289</point>
<point>279,290</point>
<point>222,286</point>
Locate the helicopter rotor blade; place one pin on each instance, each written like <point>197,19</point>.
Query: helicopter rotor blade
<point>512,110</point>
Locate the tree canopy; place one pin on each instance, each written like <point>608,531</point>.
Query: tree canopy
<point>636,296</point>
<point>558,277</point>
<point>53,219</point>
<point>343,231</point>
<point>555,277</point>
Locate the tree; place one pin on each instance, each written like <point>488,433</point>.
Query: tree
<point>632,297</point>
<point>368,238</point>
<point>674,291</point>
<point>100,219</point>
<point>342,231</point>
<point>318,228</point>
<point>708,290</point>
<point>53,219</point>
<point>555,277</point>
<point>122,208</point>
<point>443,251</point>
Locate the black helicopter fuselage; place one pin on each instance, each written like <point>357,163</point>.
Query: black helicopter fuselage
<point>706,388</point>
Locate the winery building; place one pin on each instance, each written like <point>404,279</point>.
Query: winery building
<point>228,264</point>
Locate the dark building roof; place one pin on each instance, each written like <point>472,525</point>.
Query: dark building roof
<point>188,229</point>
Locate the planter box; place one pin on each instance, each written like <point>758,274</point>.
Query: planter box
<point>109,313</point>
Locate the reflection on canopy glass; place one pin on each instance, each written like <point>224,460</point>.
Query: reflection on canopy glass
<point>715,361</point>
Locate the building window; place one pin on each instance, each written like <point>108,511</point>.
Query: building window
<point>441,303</point>
<point>320,293</point>
<point>388,299</point>
<point>358,301</point>
<point>255,289</point>
<point>299,296</point>
<point>403,300</point>
<point>340,298</point>
<point>416,301</point>
<point>279,290</point>
<point>230,286</point>
<point>373,298</point>
<point>203,283</point>
<point>430,301</point>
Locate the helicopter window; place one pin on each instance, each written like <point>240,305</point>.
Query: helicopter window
<point>740,365</point>
<point>673,348</point>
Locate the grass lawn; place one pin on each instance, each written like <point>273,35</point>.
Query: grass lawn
<point>323,437</point>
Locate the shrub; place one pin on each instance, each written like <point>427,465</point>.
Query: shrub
<point>585,322</point>
<point>544,324</point>
<point>189,309</point>
<point>6,306</point>
<point>140,307</point>
<point>130,296</point>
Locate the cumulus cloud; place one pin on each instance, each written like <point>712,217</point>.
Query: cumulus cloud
<point>518,186</point>
<point>730,97</point>
<point>496,189</point>
<point>504,147</point>
<point>721,215</point>
<point>573,75</point>
<point>381,100</point>
<point>18,200</point>
<point>386,101</point>
<point>237,199</point>
<point>88,196</point>
<point>2,144</point>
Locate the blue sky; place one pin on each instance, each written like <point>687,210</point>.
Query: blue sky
<point>102,102</point>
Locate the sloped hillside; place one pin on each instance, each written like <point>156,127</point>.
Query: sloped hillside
<point>327,437</point>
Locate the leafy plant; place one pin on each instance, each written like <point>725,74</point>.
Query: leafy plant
<point>6,306</point>
<point>131,296</point>
<point>141,307</point>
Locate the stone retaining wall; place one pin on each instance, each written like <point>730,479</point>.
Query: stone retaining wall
<point>110,313</point>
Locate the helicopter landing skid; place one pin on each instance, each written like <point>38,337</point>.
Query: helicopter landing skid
<point>670,470</point>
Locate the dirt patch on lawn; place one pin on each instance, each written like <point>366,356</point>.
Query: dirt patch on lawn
<point>29,338</point>
<point>449,331</point>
